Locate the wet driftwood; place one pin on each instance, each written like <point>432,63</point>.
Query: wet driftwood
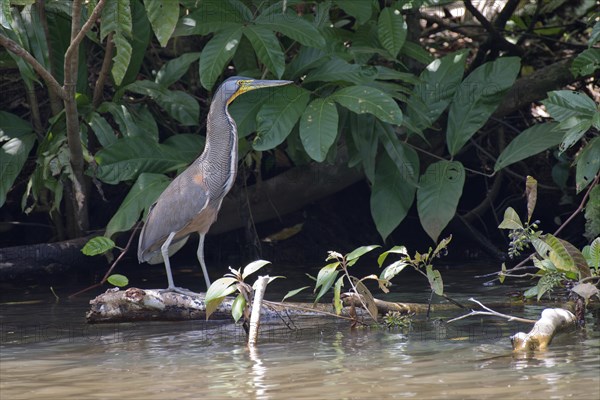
<point>136,304</point>
<point>552,321</point>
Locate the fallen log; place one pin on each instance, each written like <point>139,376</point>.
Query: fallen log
<point>552,321</point>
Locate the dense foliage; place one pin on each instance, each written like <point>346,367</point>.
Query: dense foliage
<point>127,98</point>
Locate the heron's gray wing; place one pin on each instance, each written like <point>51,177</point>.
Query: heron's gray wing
<point>181,202</point>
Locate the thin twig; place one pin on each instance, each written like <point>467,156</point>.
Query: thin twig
<point>490,312</point>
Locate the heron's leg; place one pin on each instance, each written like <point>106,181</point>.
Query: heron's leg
<point>200,254</point>
<point>164,249</point>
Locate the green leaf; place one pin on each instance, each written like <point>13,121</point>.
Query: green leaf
<point>361,10</point>
<point>394,250</point>
<point>337,295</point>
<point>362,129</point>
<point>391,30</point>
<point>355,254</point>
<point>178,104</point>
<point>174,69</point>
<point>338,70</point>
<point>253,267</point>
<point>211,16</point>
<point>565,256</point>
<point>277,118</point>
<point>237,307</point>
<point>367,297</point>
<point>574,128</point>
<point>293,293</point>
<point>98,245</point>
<point>417,52</point>
<point>141,196</point>
<point>12,126</point>
<point>267,48</point>
<point>588,164</point>
<point>325,278</point>
<point>477,98</point>
<point>13,156</point>
<point>141,33</point>
<point>245,109</point>
<point>392,193</point>
<point>318,128</point>
<point>564,104</point>
<point>437,197</point>
<point>292,26</point>
<point>118,280</point>
<point>511,220</point>
<point>592,254</point>
<point>102,129</point>
<point>365,99</point>
<point>435,89</point>
<point>116,18</point>
<point>531,141</point>
<point>217,292</point>
<point>404,157</point>
<point>133,120</point>
<point>163,16</point>
<point>435,280</point>
<point>586,62</point>
<point>393,269</point>
<point>217,53</point>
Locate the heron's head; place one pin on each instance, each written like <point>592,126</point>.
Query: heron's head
<point>237,85</point>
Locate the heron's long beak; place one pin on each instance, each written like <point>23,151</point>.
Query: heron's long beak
<point>252,84</point>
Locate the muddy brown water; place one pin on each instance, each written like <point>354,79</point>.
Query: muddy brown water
<point>49,352</point>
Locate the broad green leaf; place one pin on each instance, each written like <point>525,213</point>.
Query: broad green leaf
<point>391,30</point>
<point>267,48</point>
<point>403,156</point>
<point>477,98</point>
<point>293,293</point>
<point>277,118</point>
<point>318,128</point>
<point>531,194</point>
<point>337,295</point>
<point>292,26</point>
<point>237,307</point>
<point>133,120</point>
<point>393,269</point>
<point>511,220</point>
<point>592,215</point>
<point>392,193</point>
<point>325,279</point>
<point>367,297</point>
<point>12,126</point>
<point>307,58</point>
<point>174,69</point>
<point>435,89</point>
<point>586,62</point>
<point>142,194</point>
<point>98,245</point>
<point>118,280</point>
<point>365,140</point>
<point>141,33</point>
<point>361,10</point>
<point>128,157</point>
<point>564,104</point>
<point>210,16</point>
<point>437,197</point>
<point>217,292</point>
<point>574,128</point>
<point>34,28</point>
<point>588,164</point>
<point>594,254</point>
<point>545,284</point>
<point>116,18</point>
<point>178,104</point>
<point>163,16</point>
<point>565,256</point>
<point>365,99</point>
<point>531,141</point>
<point>13,155</point>
<point>595,35</point>
<point>253,267</point>
<point>217,53</point>
<point>417,52</point>
<point>102,129</point>
<point>338,70</point>
<point>355,254</point>
<point>435,280</point>
<point>443,244</point>
<point>394,250</point>
<point>5,14</point>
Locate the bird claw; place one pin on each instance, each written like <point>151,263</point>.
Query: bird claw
<point>179,290</point>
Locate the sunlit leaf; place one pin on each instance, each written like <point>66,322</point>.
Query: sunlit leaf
<point>217,53</point>
<point>163,16</point>
<point>365,99</point>
<point>391,30</point>
<point>267,48</point>
<point>435,280</point>
<point>98,245</point>
<point>564,104</point>
<point>355,254</point>
<point>319,128</point>
<point>439,190</point>
<point>217,292</point>
<point>393,269</point>
<point>237,307</point>
<point>325,279</point>
<point>394,250</point>
<point>337,291</point>
<point>118,280</point>
<point>511,220</point>
<point>293,292</point>
<point>586,290</point>
<point>253,267</point>
<point>531,194</point>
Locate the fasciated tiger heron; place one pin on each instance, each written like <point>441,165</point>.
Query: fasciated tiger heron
<point>192,200</point>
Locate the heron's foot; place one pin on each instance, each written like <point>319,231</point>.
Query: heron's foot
<point>175,289</point>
